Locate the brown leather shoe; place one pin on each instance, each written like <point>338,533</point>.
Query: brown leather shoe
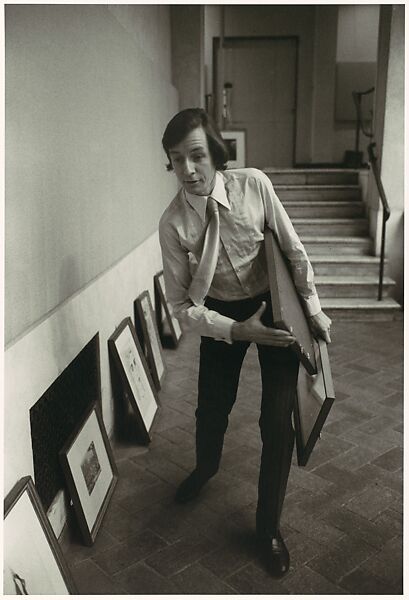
<point>276,555</point>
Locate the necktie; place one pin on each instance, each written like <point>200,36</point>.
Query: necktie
<point>202,279</point>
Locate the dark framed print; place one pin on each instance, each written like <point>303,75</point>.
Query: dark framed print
<point>32,561</point>
<point>288,312</point>
<point>315,396</point>
<point>145,319</point>
<point>90,472</point>
<point>168,326</point>
<point>136,383</point>
<point>236,147</point>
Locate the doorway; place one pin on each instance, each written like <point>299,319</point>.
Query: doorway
<point>261,78</point>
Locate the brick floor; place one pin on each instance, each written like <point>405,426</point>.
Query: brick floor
<point>342,518</point>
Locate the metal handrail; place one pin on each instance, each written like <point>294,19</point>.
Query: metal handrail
<point>386,211</point>
<point>357,97</point>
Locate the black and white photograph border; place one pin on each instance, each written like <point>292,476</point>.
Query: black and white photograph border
<point>88,94</point>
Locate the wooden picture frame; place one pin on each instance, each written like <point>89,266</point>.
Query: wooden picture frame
<point>33,562</point>
<point>315,396</point>
<point>134,378</point>
<point>236,147</point>
<point>145,322</point>
<point>90,472</point>
<point>288,312</point>
<point>168,326</point>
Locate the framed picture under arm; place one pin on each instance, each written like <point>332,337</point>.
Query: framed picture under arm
<point>315,396</point>
<point>32,562</point>
<point>136,382</point>
<point>145,318</point>
<point>288,312</point>
<point>168,326</point>
<point>90,472</point>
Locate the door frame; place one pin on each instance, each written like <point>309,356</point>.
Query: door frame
<point>217,93</point>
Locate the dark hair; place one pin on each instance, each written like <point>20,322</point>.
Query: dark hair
<point>187,120</point>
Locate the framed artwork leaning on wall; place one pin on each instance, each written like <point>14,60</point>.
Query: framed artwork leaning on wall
<point>168,325</point>
<point>133,384</point>
<point>145,322</point>
<point>90,472</point>
<point>33,562</point>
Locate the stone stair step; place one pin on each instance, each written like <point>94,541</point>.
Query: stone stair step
<point>345,265</point>
<point>323,209</point>
<point>337,245</point>
<point>362,309</point>
<point>344,286</point>
<point>318,192</point>
<point>312,176</point>
<point>346,272</point>
<point>337,227</point>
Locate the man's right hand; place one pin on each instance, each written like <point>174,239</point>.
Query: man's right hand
<point>253,330</point>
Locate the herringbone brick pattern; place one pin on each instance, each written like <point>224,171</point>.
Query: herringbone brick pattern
<point>342,517</point>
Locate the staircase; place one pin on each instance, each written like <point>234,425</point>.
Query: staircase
<point>327,211</point>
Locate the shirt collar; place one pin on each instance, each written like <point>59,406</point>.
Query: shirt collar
<point>199,203</point>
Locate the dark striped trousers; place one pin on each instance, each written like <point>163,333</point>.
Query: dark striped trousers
<point>220,366</point>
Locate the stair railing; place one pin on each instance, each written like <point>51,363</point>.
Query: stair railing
<point>357,98</point>
<point>385,214</point>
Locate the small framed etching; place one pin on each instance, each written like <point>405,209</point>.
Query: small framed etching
<point>90,472</point>
<point>235,142</point>
<point>168,326</point>
<point>145,322</point>
<point>133,379</point>
<point>32,560</point>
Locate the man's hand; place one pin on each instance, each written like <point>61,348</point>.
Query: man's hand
<point>253,330</point>
<point>320,326</point>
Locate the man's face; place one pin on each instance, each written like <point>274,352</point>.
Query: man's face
<point>193,164</point>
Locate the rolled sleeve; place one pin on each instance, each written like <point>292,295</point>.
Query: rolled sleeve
<point>312,305</point>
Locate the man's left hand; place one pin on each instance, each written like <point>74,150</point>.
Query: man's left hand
<point>320,326</point>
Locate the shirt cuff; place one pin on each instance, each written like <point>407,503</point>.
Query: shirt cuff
<point>312,305</point>
<point>222,329</point>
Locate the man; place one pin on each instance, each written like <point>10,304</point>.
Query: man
<point>215,272</point>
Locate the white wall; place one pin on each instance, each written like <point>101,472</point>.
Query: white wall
<point>88,94</point>
<point>392,166</point>
<point>283,20</point>
<point>87,100</point>
<point>187,25</point>
<point>357,38</point>
<point>323,104</point>
<point>212,23</point>
<point>34,361</point>
<point>357,42</point>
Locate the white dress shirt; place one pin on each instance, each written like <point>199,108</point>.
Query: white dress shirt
<point>247,205</point>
